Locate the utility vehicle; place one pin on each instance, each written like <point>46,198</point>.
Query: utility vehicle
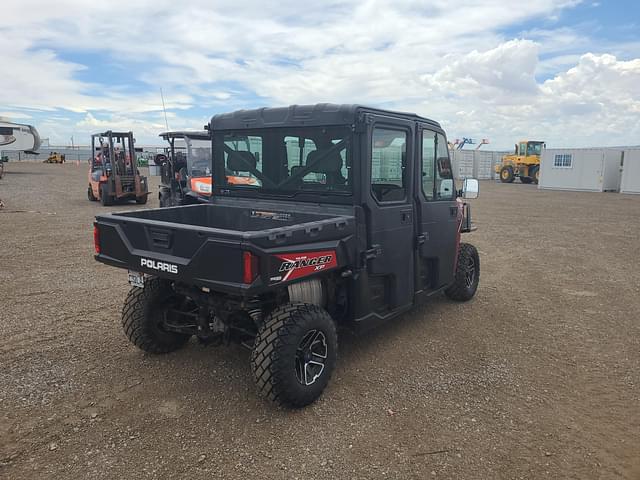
<point>113,171</point>
<point>351,220</point>
<point>185,169</point>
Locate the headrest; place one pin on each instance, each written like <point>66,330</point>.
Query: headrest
<point>331,163</point>
<point>295,169</point>
<point>241,162</point>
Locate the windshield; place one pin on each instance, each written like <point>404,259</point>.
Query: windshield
<point>534,148</point>
<point>287,160</point>
<point>198,157</point>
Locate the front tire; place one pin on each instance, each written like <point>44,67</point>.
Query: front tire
<point>506,174</point>
<point>295,354</point>
<point>90,195</point>
<point>143,315</point>
<point>467,274</point>
<point>164,198</point>
<point>105,198</point>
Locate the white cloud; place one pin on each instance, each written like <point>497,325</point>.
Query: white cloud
<point>15,115</point>
<point>444,59</point>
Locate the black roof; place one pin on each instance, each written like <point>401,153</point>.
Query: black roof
<point>112,133</point>
<point>197,134</point>
<point>304,115</point>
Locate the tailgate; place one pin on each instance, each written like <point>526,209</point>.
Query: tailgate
<point>169,250</point>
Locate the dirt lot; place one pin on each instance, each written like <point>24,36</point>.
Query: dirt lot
<point>537,377</point>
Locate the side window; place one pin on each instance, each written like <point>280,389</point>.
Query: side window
<point>444,176</point>
<point>428,163</point>
<point>388,162</point>
<point>523,149</point>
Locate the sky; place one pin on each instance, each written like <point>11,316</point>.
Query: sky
<point>563,71</point>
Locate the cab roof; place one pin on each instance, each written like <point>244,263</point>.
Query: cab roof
<point>112,133</point>
<point>197,134</point>
<point>305,115</point>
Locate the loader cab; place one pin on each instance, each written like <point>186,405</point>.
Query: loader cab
<point>529,148</point>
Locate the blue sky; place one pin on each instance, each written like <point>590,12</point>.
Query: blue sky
<point>564,71</point>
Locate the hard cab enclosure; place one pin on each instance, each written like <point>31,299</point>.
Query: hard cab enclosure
<point>359,198</point>
<point>346,215</point>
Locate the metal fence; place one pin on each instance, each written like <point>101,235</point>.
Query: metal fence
<point>71,154</point>
<point>478,164</point>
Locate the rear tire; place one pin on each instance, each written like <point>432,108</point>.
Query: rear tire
<point>141,200</point>
<point>295,354</point>
<point>535,174</point>
<point>467,274</point>
<point>506,174</point>
<point>142,317</point>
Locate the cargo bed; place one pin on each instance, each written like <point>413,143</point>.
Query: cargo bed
<point>203,244</point>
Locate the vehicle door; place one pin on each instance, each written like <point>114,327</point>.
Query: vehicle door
<point>438,211</point>
<point>390,212</point>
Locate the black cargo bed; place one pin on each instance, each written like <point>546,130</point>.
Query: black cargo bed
<point>206,242</point>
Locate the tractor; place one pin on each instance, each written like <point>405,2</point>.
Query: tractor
<point>523,163</point>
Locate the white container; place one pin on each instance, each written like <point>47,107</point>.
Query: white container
<point>631,172</point>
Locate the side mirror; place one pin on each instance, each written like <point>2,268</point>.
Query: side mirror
<point>470,188</point>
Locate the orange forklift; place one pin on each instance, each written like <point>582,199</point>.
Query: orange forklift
<point>114,175</point>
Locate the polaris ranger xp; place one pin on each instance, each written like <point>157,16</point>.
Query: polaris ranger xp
<point>351,218</point>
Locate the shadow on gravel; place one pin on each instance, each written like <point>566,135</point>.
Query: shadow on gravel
<point>351,342</point>
<point>9,172</point>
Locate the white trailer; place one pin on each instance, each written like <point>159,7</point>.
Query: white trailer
<point>630,182</point>
<point>583,169</point>
<point>16,137</point>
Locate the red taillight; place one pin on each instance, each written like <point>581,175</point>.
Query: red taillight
<point>96,238</point>
<point>250,267</point>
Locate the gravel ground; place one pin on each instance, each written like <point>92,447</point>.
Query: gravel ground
<point>537,377</point>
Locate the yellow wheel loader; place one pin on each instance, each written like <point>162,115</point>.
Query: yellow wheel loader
<point>524,163</point>
<point>55,157</point>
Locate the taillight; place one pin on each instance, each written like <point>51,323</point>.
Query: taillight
<point>96,238</point>
<point>251,267</point>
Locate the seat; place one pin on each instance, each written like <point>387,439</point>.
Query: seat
<point>330,165</point>
<point>241,162</point>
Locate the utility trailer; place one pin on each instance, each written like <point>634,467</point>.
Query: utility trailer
<point>352,227</point>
